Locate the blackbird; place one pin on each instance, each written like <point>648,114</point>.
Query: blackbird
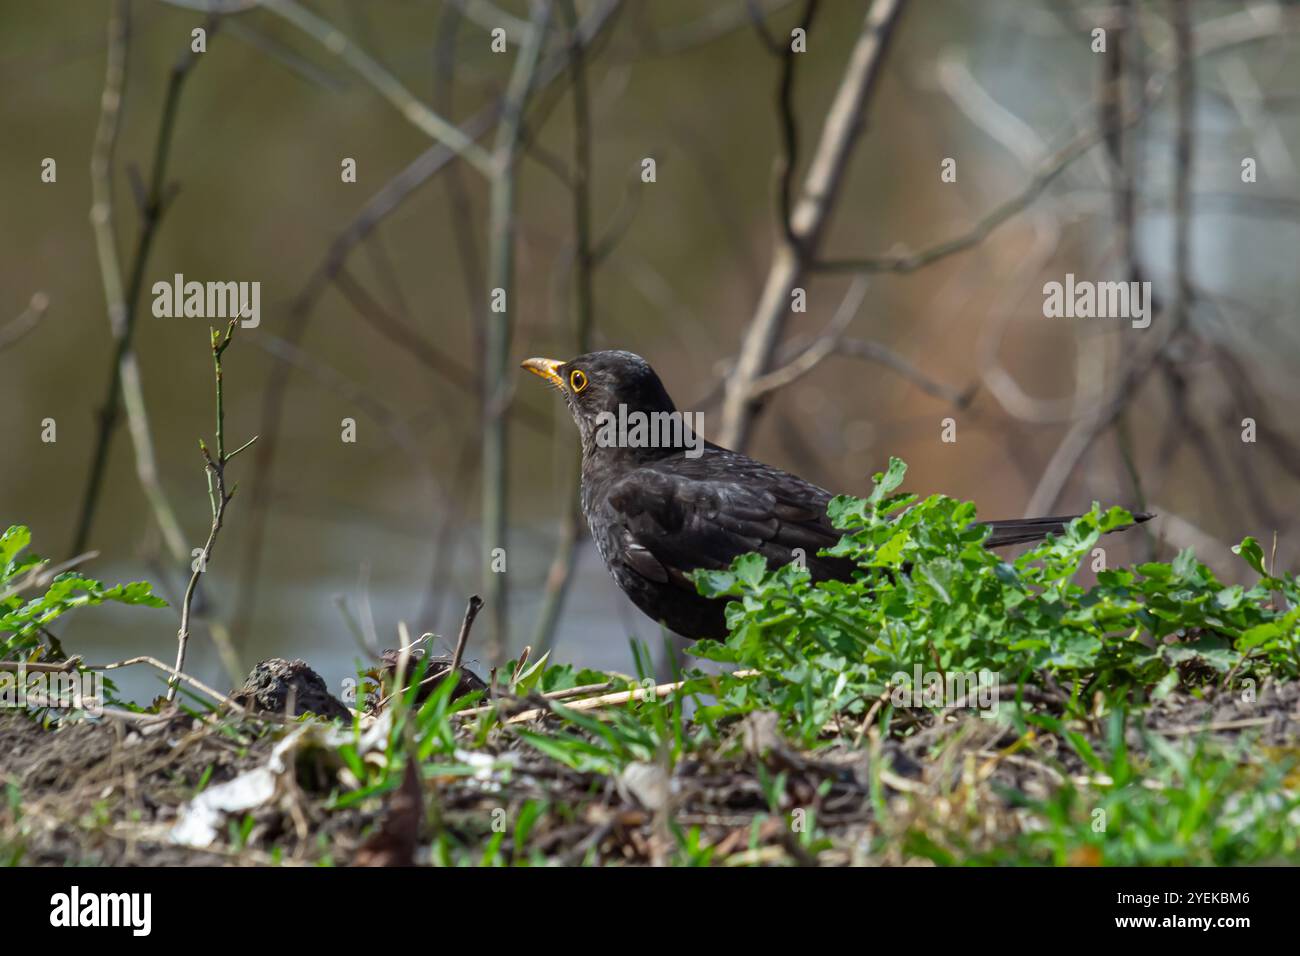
<point>661,502</point>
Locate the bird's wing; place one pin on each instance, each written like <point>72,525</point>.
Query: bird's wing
<point>676,516</point>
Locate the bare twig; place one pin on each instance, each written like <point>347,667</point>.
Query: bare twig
<point>807,220</point>
<point>177,675</point>
<point>1185,103</point>
<point>462,639</point>
<point>458,197</point>
<point>603,700</point>
<point>825,344</point>
<point>123,308</point>
<point>1079,438</point>
<point>1213,726</point>
<point>1215,36</point>
<point>789,123</point>
<point>717,22</point>
<point>866,350</point>
<point>26,320</point>
<point>101,218</point>
<point>1123,150</point>
<point>497,368</point>
<point>560,574</point>
<point>37,667</point>
<point>387,85</point>
<point>218,496</point>
<point>287,57</point>
<point>883,355</point>
<point>489,16</point>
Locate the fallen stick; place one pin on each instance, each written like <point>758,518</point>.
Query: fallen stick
<point>1240,724</point>
<point>471,611</point>
<point>175,674</point>
<point>592,703</point>
<point>34,667</point>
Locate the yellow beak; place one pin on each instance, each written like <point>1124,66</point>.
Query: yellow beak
<point>546,368</point>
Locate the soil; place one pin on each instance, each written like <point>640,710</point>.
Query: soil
<point>108,791</point>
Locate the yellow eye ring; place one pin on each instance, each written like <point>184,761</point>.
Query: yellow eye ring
<point>577,381</point>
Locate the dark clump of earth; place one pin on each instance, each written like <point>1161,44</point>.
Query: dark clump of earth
<point>437,669</point>
<point>290,688</point>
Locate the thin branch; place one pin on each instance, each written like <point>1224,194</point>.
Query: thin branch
<point>867,350</point>
<point>462,639</point>
<point>177,675</point>
<point>1215,36</point>
<point>387,85</point>
<point>291,60</point>
<point>906,262</point>
<point>1185,106</point>
<point>131,387</point>
<point>560,575</point>
<point>883,355</point>
<point>123,308</point>
<point>489,16</point>
<point>824,345</point>
<point>393,329</point>
<point>789,123</point>
<point>1123,150</point>
<point>219,498</point>
<point>25,321</point>
<point>717,22</point>
<point>808,219</point>
<point>458,198</point>
<point>1081,435</point>
<point>497,368</point>
<point>596,702</point>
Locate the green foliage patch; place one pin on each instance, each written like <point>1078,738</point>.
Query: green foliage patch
<point>928,592</point>
<point>23,618</point>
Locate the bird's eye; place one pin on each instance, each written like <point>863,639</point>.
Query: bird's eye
<point>577,380</point>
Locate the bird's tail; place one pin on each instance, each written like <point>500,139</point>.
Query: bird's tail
<point>1021,530</point>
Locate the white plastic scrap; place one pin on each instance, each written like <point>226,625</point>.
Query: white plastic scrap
<point>199,821</point>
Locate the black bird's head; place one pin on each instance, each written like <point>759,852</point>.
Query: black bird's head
<point>601,382</point>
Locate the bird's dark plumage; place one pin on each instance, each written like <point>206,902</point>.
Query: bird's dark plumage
<point>656,513</point>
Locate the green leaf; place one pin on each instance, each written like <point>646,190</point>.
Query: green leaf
<point>529,678</point>
<point>889,480</point>
<point>14,540</point>
<point>750,568</point>
<point>1252,552</point>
